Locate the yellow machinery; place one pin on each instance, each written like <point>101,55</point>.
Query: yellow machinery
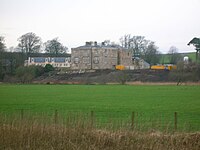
<point>120,67</point>
<point>163,67</point>
<point>157,67</point>
<point>171,67</point>
<point>154,67</point>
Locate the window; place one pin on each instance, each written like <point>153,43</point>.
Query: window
<point>76,60</point>
<point>106,53</point>
<point>86,60</point>
<point>96,52</point>
<point>96,60</point>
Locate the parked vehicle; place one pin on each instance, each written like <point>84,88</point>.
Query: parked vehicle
<point>163,67</point>
<point>120,67</point>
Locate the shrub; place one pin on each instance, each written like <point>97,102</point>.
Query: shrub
<point>186,72</point>
<point>122,77</point>
<point>28,73</point>
<point>48,68</point>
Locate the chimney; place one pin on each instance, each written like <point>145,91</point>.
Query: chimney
<point>95,43</point>
<point>88,43</point>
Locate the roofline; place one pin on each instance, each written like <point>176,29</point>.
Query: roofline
<point>99,47</point>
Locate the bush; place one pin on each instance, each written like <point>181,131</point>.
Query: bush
<point>28,73</point>
<point>48,68</point>
<point>122,77</point>
<point>186,72</point>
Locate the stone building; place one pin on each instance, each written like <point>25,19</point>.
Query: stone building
<point>139,63</point>
<point>94,56</point>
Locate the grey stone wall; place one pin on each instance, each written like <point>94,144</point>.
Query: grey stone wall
<point>125,57</point>
<point>96,57</point>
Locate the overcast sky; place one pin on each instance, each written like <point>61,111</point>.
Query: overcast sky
<point>167,22</point>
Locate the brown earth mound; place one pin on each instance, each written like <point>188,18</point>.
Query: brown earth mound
<point>105,76</point>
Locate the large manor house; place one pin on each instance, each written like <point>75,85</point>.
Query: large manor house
<point>90,56</point>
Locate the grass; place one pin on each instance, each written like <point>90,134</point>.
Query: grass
<point>149,102</point>
<point>25,135</point>
<point>165,58</point>
<point>192,56</point>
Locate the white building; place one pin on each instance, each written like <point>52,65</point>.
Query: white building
<point>60,62</point>
<point>186,59</point>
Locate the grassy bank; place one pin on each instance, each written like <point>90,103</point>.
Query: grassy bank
<point>34,135</point>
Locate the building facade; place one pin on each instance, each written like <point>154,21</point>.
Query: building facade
<point>93,56</point>
<point>139,63</point>
<point>60,62</point>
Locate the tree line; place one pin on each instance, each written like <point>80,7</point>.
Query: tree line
<point>139,45</point>
<point>31,43</point>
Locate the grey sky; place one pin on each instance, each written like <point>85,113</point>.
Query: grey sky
<point>167,22</point>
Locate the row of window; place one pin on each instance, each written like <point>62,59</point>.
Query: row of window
<point>41,59</point>
<point>54,65</point>
<point>96,60</point>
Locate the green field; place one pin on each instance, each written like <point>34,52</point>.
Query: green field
<point>149,102</point>
<point>165,58</point>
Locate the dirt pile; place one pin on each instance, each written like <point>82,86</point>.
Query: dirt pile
<point>104,76</point>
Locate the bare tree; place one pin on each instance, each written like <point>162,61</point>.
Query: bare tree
<point>2,44</point>
<point>151,54</point>
<point>174,55</point>
<point>139,44</point>
<point>125,41</point>
<point>136,43</point>
<point>55,47</point>
<point>29,43</point>
<point>2,49</point>
<point>186,72</point>
<point>141,47</point>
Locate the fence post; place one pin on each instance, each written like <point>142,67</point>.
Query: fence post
<point>22,114</point>
<point>175,121</point>
<point>132,120</point>
<point>56,116</point>
<point>92,118</point>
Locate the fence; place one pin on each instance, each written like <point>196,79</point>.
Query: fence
<point>113,120</point>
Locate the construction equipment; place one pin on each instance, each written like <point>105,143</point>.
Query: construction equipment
<point>163,67</point>
<point>120,67</point>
